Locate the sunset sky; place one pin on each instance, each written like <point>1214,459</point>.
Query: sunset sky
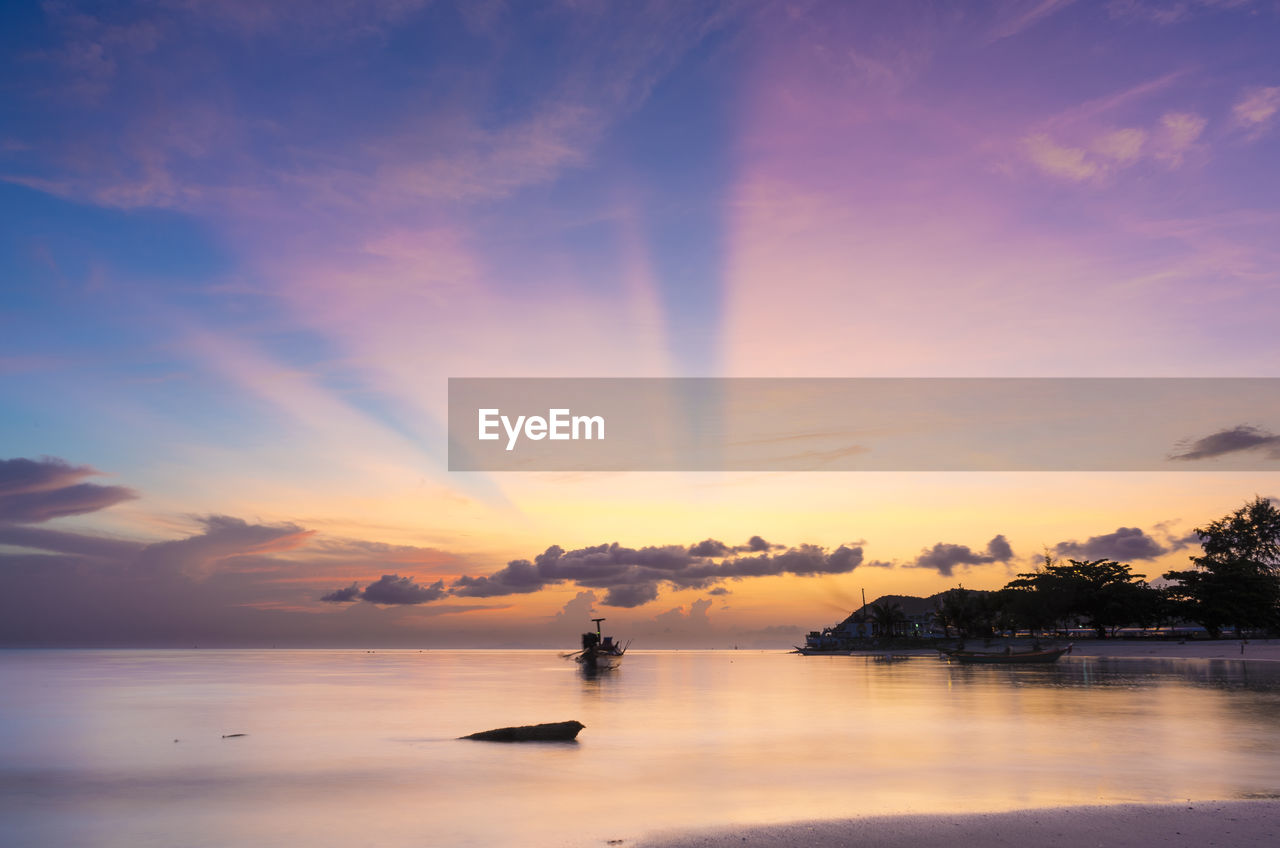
<point>244,245</point>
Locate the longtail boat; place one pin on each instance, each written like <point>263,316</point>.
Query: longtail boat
<point>1006,656</point>
<point>598,652</point>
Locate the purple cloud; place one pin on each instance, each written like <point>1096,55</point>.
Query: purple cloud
<point>631,596</point>
<point>33,491</point>
<point>230,582</point>
<point>36,475</point>
<point>343,596</point>
<point>944,556</point>
<point>1124,545</point>
<point>63,542</point>
<point>631,576</point>
<point>394,589</point>
<point>223,537</point>
<point>710,548</point>
<point>1234,440</point>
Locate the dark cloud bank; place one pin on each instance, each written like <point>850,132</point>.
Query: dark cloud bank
<point>393,589</point>
<point>230,582</point>
<point>238,582</point>
<point>630,576</point>
<point>1126,544</point>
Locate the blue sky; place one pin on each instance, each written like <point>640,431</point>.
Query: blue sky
<point>243,246</point>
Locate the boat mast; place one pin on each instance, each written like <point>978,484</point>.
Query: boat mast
<point>597,621</point>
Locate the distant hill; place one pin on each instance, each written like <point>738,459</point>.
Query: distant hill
<point>911,604</point>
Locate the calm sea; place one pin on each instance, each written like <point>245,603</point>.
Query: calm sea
<point>342,748</point>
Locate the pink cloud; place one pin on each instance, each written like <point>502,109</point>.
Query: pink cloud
<point>1256,109</point>
<point>1072,163</point>
<point>1177,134</point>
<point>941,235</point>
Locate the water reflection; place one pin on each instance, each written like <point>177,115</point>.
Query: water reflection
<point>688,739</point>
<point>597,680</point>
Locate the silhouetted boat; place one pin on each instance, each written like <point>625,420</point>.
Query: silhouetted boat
<point>598,652</point>
<point>1006,656</point>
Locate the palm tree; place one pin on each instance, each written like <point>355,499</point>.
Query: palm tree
<point>887,616</point>
<point>957,608</point>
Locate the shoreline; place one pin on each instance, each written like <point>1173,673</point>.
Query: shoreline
<point>1228,649</point>
<point>1265,650</point>
<point>1190,823</point>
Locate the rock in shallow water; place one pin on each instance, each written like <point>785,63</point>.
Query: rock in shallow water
<point>558,731</point>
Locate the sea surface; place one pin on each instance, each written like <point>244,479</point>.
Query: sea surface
<point>343,748</point>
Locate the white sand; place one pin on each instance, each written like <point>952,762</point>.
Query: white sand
<point>1203,649</point>
<point>1194,825</point>
<point>1227,649</point>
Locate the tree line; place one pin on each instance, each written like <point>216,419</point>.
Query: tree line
<point>1234,584</point>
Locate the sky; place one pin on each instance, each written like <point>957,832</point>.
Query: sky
<point>244,246</point>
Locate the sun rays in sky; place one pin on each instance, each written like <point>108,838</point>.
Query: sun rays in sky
<point>244,246</point>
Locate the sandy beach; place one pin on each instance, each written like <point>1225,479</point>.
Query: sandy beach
<point>1226,649</point>
<point>1265,650</point>
<point>1190,823</point>
<point>1194,824</point>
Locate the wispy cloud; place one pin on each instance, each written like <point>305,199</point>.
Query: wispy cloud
<point>1177,133</point>
<point>223,537</point>
<point>1122,146</point>
<point>33,491</point>
<point>1106,152</point>
<point>1019,16</point>
<point>478,164</point>
<point>1256,109</point>
<point>68,586</point>
<point>1072,163</point>
<point>1169,12</point>
<point>92,547</point>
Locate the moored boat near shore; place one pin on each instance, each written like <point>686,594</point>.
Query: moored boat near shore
<point>810,651</point>
<point>1007,656</point>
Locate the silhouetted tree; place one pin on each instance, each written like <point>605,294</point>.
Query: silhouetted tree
<point>970,613</point>
<point>1102,592</point>
<point>1005,620</point>
<point>1029,605</point>
<point>1237,580</point>
<point>941,617</point>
